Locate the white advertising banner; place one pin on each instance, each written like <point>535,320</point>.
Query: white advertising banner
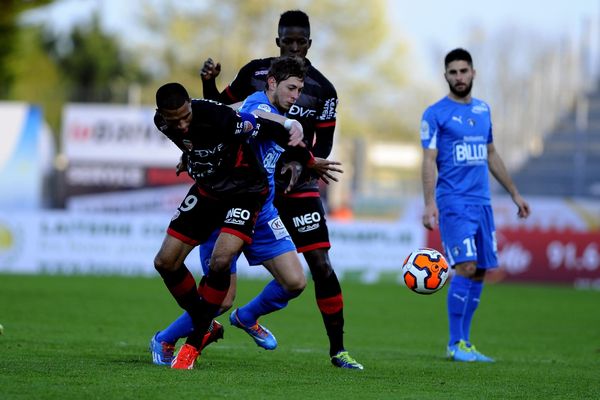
<point>115,134</point>
<point>104,243</point>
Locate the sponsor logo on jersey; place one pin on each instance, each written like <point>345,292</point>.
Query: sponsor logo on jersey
<point>297,110</point>
<point>329,108</point>
<point>480,108</point>
<point>469,153</point>
<point>278,228</point>
<point>237,216</point>
<point>270,159</point>
<point>471,122</point>
<point>424,130</point>
<point>457,119</point>
<point>307,222</point>
<point>261,72</point>
<point>264,107</point>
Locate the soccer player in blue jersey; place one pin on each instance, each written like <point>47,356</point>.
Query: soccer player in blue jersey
<point>457,140</point>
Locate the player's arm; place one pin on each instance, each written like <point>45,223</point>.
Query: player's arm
<point>296,132</point>
<point>236,91</point>
<point>498,170</point>
<point>428,179</point>
<point>323,168</point>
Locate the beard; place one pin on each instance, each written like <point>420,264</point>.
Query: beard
<point>463,92</point>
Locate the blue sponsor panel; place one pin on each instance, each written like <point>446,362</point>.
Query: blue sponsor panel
<point>21,169</point>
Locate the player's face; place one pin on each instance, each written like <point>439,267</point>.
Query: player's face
<point>459,75</point>
<point>180,118</point>
<point>286,93</point>
<point>293,41</point>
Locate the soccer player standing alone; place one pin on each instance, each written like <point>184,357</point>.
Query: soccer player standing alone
<point>315,109</point>
<point>456,135</point>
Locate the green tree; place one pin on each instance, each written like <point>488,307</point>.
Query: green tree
<point>9,37</point>
<point>354,45</point>
<point>93,65</point>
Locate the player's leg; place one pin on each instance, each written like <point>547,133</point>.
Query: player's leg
<point>311,237</point>
<point>272,247</point>
<point>289,282</point>
<point>235,232</point>
<point>458,226</point>
<point>183,326</point>
<point>485,242</point>
<point>214,289</point>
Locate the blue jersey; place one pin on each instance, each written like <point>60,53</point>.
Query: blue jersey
<point>460,133</point>
<point>270,238</point>
<point>266,150</point>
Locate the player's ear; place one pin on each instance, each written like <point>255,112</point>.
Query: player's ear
<point>277,42</point>
<point>271,82</point>
<point>309,43</point>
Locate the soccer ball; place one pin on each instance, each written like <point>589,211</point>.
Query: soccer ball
<point>425,271</point>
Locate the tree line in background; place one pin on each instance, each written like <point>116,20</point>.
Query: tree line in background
<point>90,65</point>
<point>529,80</point>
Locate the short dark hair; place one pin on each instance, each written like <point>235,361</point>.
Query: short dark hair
<point>284,67</point>
<point>294,18</point>
<point>458,54</point>
<point>171,96</point>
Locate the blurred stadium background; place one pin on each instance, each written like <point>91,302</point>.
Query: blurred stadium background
<point>88,185</point>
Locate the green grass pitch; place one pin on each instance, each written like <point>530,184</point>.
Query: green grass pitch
<point>82,337</point>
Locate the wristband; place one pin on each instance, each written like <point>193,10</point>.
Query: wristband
<point>288,124</point>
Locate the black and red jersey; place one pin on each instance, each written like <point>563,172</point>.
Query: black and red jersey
<point>315,109</point>
<point>216,148</point>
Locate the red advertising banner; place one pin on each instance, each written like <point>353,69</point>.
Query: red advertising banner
<point>537,255</point>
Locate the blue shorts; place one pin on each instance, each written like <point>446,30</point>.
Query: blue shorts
<point>270,239</point>
<point>468,234</point>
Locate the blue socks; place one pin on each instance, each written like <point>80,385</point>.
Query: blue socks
<point>457,300</point>
<point>472,303</point>
<point>272,298</point>
<point>180,328</point>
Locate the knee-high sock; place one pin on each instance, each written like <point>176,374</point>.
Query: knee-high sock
<point>272,298</point>
<point>458,294</point>
<point>182,286</point>
<point>331,304</point>
<point>213,293</point>
<point>472,304</point>
<point>182,326</point>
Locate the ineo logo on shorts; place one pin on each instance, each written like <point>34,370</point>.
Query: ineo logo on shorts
<point>237,216</point>
<point>307,222</point>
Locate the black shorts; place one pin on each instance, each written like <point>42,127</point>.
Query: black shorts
<point>199,214</point>
<point>304,217</point>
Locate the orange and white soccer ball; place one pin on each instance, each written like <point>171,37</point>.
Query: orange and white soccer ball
<point>425,271</point>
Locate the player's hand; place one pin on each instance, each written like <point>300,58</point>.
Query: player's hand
<point>181,165</point>
<point>431,216</point>
<point>296,133</point>
<point>210,70</point>
<point>295,169</point>
<point>523,206</point>
<point>324,168</point>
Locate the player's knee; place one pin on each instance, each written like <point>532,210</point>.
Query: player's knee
<point>162,263</point>
<point>221,261</point>
<point>295,284</point>
<point>467,269</point>
<point>319,264</point>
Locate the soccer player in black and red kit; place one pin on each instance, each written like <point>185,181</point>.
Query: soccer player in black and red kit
<point>315,109</point>
<point>230,188</point>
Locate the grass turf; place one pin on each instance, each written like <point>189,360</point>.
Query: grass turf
<point>81,337</point>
